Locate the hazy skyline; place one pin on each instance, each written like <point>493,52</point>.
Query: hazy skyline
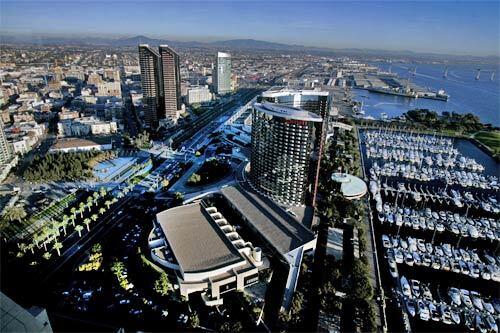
<point>451,27</point>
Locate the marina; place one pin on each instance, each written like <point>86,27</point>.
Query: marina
<point>435,212</point>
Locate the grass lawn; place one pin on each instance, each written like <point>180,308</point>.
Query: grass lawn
<point>490,139</point>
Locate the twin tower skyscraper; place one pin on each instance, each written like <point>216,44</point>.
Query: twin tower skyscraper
<point>161,84</point>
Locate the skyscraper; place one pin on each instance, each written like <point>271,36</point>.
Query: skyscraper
<point>222,73</point>
<point>283,140</point>
<point>160,76</point>
<point>315,101</point>
<point>149,62</point>
<point>171,82</point>
<point>5,153</point>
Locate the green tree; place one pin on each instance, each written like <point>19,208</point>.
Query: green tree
<point>162,285</point>
<point>231,327</point>
<point>73,211</point>
<point>87,223</point>
<point>79,229</point>
<point>57,246</point>
<point>63,224</point>
<point>14,213</point>
<point>193,320</point>
<point>81,209</point>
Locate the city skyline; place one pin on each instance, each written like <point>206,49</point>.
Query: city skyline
<point>462,28</point>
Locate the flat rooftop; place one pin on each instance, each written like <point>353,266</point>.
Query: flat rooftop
<point>281,230</point>
<point>280,110</point>
<point>195,239</point>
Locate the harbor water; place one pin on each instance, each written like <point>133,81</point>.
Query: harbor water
<point>467,95</point>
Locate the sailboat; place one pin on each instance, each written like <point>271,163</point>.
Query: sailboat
<point>445,73</point>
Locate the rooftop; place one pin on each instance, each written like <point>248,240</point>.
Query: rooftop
<point>284,111</point>
<point>287,92</point>
<point>77,142</point>
<point>195,239</point>
<point>351,186</point>
<point>280,229</point>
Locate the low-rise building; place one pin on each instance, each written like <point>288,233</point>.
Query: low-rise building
<point>109,89</point>
<point>86,126</point>
<point>205,251</point>
<point>197,95</point>
<point>76,144</point>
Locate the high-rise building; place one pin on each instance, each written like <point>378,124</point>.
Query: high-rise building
<point>315,101</point>
<point>149,62</point>
<point>5,153</point>
<point>171,82</point>
<point>283,141</point>
<point>161,84</point>
<point>222,73</point>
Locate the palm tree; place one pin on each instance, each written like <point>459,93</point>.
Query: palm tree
<point>82,208</point>
<point>94,217</point>
<point>107,203</point>
<point>79,229</point>
<point>95,195</point>
<point>63,224</point>
<point>37,238</point>
<point>102,210</point>
<point>90,202</point>
<point>54,227</point>
<point>120,195</point>
<point>57,246</point>
<point>114,200</point>
<point>23,247</point>
<point>103,191</point>
<point>72,219</point>
<point>44,236</point>
<point>31,247</point>
<point>73,211</point>
<point>87,223</point>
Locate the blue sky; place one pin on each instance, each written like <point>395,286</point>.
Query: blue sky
<point>455,27</point>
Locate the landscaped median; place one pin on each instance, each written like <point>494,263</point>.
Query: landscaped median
<point>210,171</point>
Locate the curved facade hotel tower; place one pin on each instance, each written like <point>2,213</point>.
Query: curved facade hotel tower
<point>283,140</point>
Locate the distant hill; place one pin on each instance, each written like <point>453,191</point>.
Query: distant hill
<point>235,44</point>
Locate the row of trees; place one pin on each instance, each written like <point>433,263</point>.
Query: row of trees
<point>64,166</point>
<point>333,209</point>
<point>50,235</point>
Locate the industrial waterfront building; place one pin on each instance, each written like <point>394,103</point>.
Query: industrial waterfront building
<point>222,73</point>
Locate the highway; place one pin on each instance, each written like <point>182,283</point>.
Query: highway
<point>113,216</point>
